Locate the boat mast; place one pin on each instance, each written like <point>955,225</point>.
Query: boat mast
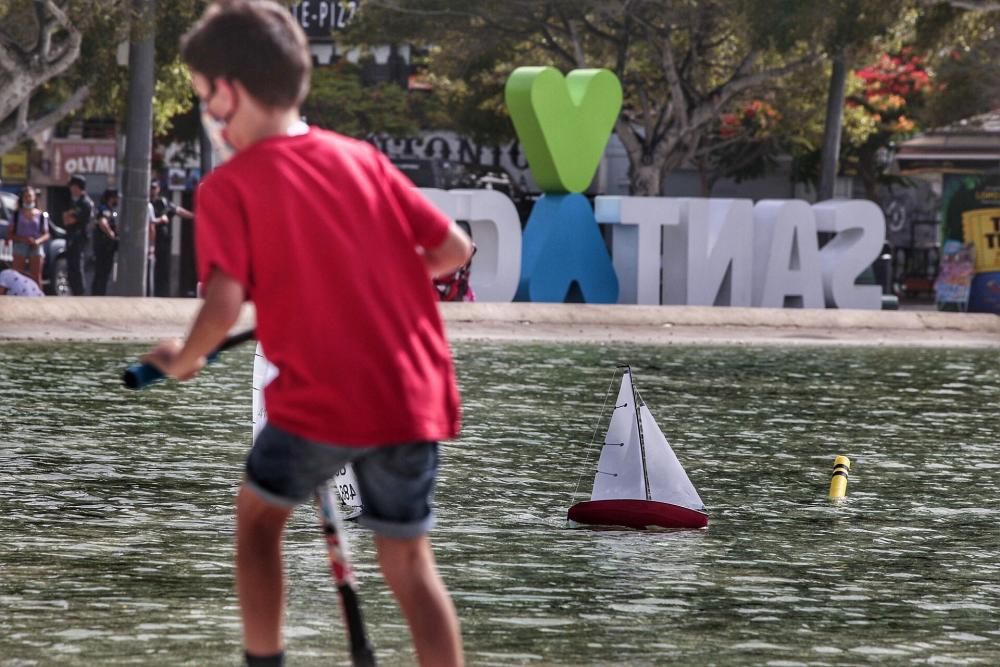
<point>642,442</point>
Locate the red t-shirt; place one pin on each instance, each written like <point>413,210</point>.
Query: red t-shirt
<point>323,231</point>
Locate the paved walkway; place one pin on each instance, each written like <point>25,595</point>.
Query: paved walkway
<point>139,319</point>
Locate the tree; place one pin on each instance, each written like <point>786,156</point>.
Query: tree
<point>338,101</point>
<point>963,51</point>
<point>39,41</point>
<point>743,145</point>
<point>887,93</point>
<point>58,57</point>
<point>941,65</point>
<point>848,30</point>
<point>681,64</point>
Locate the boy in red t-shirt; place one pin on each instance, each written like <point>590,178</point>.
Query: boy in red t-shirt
<point>337,250</point>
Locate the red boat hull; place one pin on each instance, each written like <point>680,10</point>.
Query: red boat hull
<point>639,514</point>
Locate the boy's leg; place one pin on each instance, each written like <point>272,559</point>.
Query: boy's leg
<point>410,571</point>
<point>397,483</point>
<point>259,574</point>
<point>283,470</point>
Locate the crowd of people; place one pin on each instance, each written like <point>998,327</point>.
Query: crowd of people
<point>96,228</point>
<point>87,228</point>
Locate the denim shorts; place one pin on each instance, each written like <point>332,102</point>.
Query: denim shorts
<point>396,481</point>
<point>24,250</point>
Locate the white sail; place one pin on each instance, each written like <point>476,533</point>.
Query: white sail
<point>263,373</point>
<point>668,483</point>
<point>619,470</point>
<point>344,481</point>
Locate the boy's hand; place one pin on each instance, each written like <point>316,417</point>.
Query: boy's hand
<point>182,360</point>
<point>166,356</point>
<point>450,255</point>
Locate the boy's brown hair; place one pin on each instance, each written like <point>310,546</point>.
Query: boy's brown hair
<point>255,42</point>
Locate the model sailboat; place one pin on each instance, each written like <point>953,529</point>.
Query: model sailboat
<point>639,481</point>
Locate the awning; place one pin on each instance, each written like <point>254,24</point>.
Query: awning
<point>970,145</point>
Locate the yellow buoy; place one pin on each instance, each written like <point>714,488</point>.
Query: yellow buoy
<point>838,481</point>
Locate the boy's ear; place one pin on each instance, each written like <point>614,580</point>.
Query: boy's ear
<point>228,92</point>
<point>200,83</point>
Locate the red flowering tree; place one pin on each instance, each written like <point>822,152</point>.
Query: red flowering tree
<point>884,97</point>
<point>744,144</point>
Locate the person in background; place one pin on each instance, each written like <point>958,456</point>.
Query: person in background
<point>3,209</point>
<point>15,283</point>
<point>150,248</point>
<point>29,230</point>
<point>105,241</point>
<point>164,211</point>
<point>76,219</point>
<point>456,286</point>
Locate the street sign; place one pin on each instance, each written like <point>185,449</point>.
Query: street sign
<point>321,18</point>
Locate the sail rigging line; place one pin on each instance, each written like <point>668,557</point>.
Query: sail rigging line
<point>642,442</point>
<point>597,426</point>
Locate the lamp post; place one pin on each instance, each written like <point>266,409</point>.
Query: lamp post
<point>134,234</point>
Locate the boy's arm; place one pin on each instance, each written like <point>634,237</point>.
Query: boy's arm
<point>451,254</point>
<point>224,298</point>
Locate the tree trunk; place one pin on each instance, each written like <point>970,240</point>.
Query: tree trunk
<point>26,72</point>
<point>871,190</point>
<point>646,180</point>
<point>706,179</point>
<point>646,164</point>
<point>834,125</point>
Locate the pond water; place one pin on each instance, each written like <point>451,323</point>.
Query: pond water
<point>116,513</point>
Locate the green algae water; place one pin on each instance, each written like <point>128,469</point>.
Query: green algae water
<point>116,513</point>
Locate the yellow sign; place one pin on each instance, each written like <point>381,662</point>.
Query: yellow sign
<point>15,166</point>
<point>982,228</point>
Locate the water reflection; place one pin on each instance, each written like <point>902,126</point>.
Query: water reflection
<point>117,513</point>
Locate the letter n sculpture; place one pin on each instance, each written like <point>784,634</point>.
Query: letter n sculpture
<point>564,125</point>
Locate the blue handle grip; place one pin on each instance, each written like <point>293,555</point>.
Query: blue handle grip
<point>138,376</point>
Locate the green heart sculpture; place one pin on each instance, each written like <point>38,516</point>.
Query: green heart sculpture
<point>563,123</point>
